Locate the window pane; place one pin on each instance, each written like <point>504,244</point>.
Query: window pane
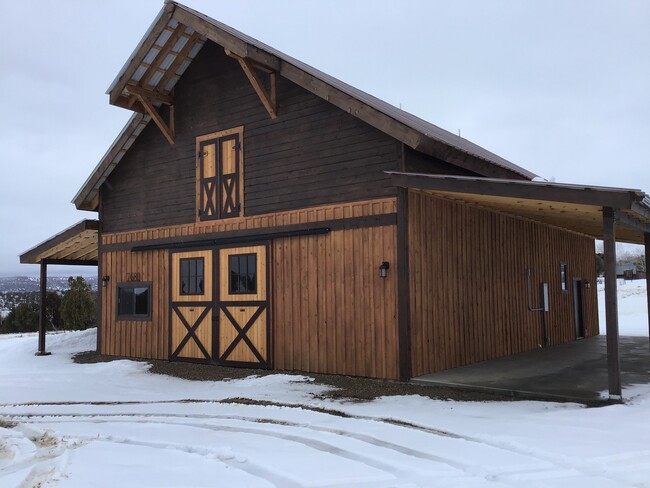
<point>243,274</point>
<point>242,269</point>
<point>141,301</point>
<point>133,301</point>
<point>126,305</point>
<point>199,276</point>
<point>233,271</point>
<point>191,278</point>
<point>252,273</point>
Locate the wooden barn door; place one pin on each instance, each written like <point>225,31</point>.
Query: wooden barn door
<point>192,306</point>
<point>243,306</point>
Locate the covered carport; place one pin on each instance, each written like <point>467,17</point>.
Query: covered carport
<point>75,246</point>
<point>610,214</point>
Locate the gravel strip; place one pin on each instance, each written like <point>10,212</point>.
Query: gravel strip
<point>345,388</point>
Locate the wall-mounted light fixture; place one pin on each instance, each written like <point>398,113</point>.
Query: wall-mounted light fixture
<point>587,284</point>
<point>105,280</point>
<point>383,269</point>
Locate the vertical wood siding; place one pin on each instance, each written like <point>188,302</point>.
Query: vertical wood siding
<point>468,283</point>
<point>312,154</point>
<point>340,301</point>
<point>332,313</point>
<point>135,338</point>
<point>305,215</point>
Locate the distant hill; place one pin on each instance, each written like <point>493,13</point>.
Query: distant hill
<point>31,283</point>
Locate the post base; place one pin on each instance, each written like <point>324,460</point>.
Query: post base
<point>42,353</point>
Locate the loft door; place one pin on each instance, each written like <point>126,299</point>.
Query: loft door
<point>242,306</point>
<point>192,306</point>
<point>220,175</point>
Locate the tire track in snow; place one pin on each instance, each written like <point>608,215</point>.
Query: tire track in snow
<point>466,468</point>
<point>559,462</point>
<point>250,467</point>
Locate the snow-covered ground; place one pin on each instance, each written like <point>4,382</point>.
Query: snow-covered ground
<point>632,308</point>
<point>116,425</point>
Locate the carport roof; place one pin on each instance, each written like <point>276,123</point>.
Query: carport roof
<point>574,207</point>
<point>75,245</point>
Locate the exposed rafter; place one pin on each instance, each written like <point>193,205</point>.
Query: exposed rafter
<point>268,99</point>
<point>167,130</point>
<point>150,94</point>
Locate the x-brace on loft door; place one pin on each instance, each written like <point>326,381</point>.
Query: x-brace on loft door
<point>220,167</point>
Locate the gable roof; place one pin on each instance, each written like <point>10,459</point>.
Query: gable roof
<point>176,36</point>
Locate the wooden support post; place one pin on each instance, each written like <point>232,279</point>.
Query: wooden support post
<point>647,278</point>
<point>611,303</point>
<point>403,295</point>
<point>42,322</point>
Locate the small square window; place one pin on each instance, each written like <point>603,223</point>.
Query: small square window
<point>134,301</point>
<point>191,276</point>
<point>242,269</point>
<point>564,277</point>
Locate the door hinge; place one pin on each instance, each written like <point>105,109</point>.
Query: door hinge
<point>200,154</point>
<point>237,146</point>
<point>200,212</point>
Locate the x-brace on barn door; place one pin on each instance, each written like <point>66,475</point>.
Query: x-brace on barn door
<point>192,306</point>
<point>219,309</point>
<point>243,307</point>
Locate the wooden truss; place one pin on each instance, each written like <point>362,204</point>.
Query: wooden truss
<point>147,98</point>
<point>249,68</point>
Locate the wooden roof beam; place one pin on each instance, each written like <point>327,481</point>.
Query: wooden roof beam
<point>229,41</point>
<point>162,53</point>
<point>149,39</point>
<point>268,100</point>
<point>180,57</point>
<point>632,222</point>
<point>167,130</point>
<point>149,94</point>
<point>557,192</point>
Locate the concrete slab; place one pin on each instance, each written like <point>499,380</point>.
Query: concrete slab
<point>574,371</point>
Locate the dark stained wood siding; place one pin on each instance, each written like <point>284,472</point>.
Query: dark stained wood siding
<point>313,153</point>
<point>417,162</point>
<point>468,296</point>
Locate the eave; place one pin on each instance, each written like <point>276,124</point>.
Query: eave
<point>572,207</point>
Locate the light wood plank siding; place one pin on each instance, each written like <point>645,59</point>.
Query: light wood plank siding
<point>306,215</point>
<point>332,313</point>
<point>468,283</point>
<point>313,290</point>
<point>135,338</point>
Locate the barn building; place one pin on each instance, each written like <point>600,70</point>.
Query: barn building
<point>257,212</point>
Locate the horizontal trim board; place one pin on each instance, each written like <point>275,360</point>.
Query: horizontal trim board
<point>231,240</point>
<point>67,262</point>
<point>211,239</point>
<point>598,196</point>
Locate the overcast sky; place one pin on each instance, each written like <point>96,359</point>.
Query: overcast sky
<point>559,87</point>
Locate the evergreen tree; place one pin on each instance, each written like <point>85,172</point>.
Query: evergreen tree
<point>24,317</point>
<point>78,307</point>
<point>600,263</point>
<point>53,310</point>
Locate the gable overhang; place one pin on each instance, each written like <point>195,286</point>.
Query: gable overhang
<point>146,83</point>
<point>571,207</point>
<point>76,245</point>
